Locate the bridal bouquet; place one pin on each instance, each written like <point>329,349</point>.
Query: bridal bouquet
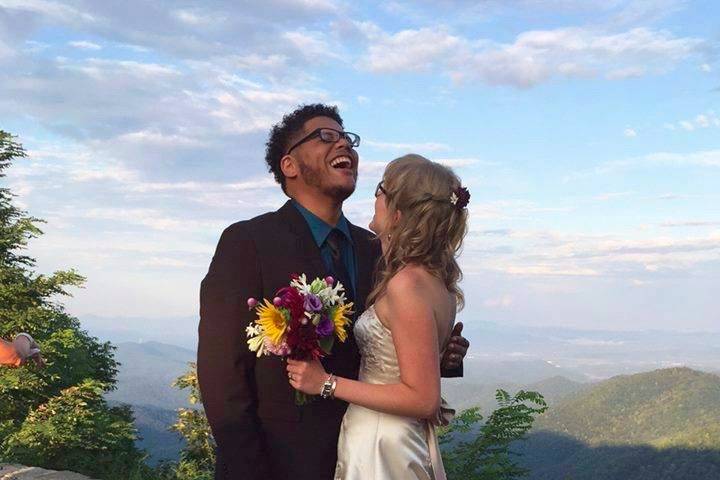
<point>301,322</point>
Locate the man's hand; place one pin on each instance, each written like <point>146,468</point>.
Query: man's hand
<point>456,349</point>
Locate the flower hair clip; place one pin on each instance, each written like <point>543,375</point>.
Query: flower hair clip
<point>460,197</point>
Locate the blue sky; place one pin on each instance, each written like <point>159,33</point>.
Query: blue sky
<point>587,132</point>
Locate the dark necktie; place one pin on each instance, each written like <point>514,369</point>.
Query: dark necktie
<point>338,268</point>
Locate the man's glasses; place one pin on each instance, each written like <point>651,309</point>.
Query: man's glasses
<point>328,135</point>
<point>380,190</point>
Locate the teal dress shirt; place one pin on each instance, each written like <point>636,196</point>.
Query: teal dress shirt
<point>320,231</point>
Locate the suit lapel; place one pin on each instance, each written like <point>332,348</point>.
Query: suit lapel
<point>308,251</point>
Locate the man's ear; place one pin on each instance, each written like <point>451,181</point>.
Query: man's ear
<point>289,166</point>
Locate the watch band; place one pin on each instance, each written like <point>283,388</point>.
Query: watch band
<point>328,388</point>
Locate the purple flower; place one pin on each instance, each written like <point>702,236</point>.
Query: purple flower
<point>325,327</point>
<point>312,303</point>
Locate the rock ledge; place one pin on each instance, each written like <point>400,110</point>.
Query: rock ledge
<point>21,472</point>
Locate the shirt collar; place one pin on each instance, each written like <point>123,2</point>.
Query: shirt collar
<point>320,230</point>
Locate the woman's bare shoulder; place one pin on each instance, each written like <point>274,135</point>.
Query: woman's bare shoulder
<point>409,279</point>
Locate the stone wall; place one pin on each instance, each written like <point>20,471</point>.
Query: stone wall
<point>21,472</point>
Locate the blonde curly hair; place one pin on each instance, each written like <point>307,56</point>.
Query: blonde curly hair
<point>430,229</point>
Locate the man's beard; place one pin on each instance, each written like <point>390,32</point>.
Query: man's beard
<point>314,178</point>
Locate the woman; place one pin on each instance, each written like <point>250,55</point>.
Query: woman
<point>388,430</point>
<point>18,351</point>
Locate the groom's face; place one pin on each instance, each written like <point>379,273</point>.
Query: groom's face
<point>324,167</point>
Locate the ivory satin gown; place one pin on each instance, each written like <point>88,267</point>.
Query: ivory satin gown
<point>381,446</point>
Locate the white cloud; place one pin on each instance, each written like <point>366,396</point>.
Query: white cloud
<point>604,197</point>
<point>626,72</point>
<point>411,50</point>
<point>534,57</point>
<point>85,45</point>
<point>156,261</point>
<point>689,223</point>
<point>500,302</point>
<point>55,10</point>
<point>166,120</point>
<point>706,67</point>
<point>590,342</point>
<point>312,45</point>
<point>630,132</point>
<point>460,162</point>
<point>704,120</point>
<point>409,147</point>
<point>641,255</point>
<point>707,158</point>
<point>198,18</point>
<point>199,187</point>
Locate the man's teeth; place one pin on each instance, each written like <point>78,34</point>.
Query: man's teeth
<point>344,162</point>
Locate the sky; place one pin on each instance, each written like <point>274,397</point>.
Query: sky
<point>588,133</point>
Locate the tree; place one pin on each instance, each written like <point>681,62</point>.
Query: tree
<point>483,453</point>
<point>197,459</point>
<point>54,417</point>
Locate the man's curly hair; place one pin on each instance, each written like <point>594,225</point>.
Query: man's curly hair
<point>282,133</point>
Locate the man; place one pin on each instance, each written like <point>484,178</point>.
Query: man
<point>260,432</point>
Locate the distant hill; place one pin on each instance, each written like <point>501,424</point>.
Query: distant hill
<point>483,376</point>
<point>145,376</point>
<point>147,372</point>
<point>177,330</point>
<point>152,424</point>
<point>521,370</point>
<point>463,394</point>
<point>557,388</point>
<point>663,424</point>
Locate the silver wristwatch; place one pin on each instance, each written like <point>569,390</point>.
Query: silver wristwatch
<point>328,388</point>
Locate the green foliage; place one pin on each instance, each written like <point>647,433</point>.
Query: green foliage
<point>197,459</point>
<point>657,425</point>
<point>674,407</point>
<point>54,417</point>
<point>483,453</point>
<point>76,430</point>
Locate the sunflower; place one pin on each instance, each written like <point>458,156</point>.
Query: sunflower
<point>340,318</point>
<point>272,321</point>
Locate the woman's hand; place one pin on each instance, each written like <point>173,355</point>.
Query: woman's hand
<point>307,376</point>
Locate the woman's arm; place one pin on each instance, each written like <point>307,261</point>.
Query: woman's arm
<point>414,333</point>
<point>17,352</point>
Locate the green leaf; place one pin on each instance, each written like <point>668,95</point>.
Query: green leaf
<point>326,343</point>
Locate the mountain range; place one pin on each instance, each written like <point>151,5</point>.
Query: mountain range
<point>628,427</point>
<point>594,354</point>
<point>657,425</point>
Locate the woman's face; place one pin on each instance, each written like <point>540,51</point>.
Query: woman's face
<point>378,224</point>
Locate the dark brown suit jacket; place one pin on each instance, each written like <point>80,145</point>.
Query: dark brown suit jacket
<point>260,432</point>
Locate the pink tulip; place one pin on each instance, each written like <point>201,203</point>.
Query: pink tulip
<point>329,280</point>
<point>252,303</point>
<point>277,301</point>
